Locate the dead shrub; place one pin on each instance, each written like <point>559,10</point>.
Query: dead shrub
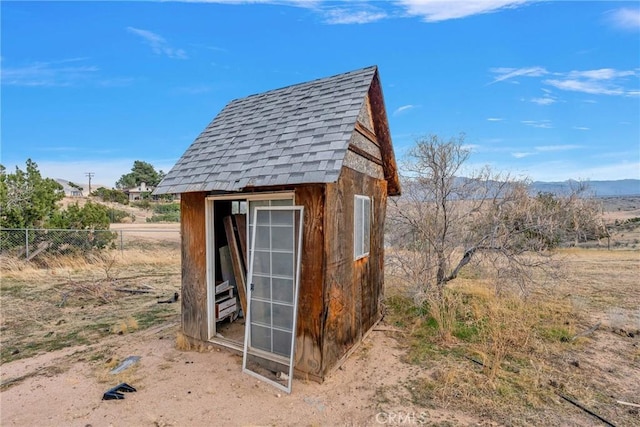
<point>183,342</point>
<point>124,326</point>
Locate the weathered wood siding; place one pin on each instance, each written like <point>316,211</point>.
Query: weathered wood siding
<point>364,117</point>
<point>308,356</point>
<point>373,285</point>
<point>194,265</point>
<point>352,289</point>
<point>383,136</point>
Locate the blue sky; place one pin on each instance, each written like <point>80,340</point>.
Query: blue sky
<point>548,90</point>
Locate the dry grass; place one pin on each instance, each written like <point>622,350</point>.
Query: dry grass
<point>124,326</point>
<point>66,301</point>
<point>505,357</point>
<point>183,342</point>
<point>444,310</point>
<point>105,264</point>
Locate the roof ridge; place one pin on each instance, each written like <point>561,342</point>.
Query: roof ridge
<point>319,80</point>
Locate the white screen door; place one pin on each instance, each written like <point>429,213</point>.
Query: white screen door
<point>272,294</point>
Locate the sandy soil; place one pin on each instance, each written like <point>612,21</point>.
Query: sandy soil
<point>190,388</point>
<point>207,387</point>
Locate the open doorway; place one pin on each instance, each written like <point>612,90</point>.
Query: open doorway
<point>227,254</point>
<point>229,230</point>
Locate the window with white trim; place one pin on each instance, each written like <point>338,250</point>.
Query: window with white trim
<point>362,226</point>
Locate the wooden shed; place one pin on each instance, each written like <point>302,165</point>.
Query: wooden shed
<point>286,190</point>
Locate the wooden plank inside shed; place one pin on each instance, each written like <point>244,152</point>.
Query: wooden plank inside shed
<point>240,221</point>
<point>236,260</point>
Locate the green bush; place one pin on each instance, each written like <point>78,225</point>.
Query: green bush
<point>91,216</point>
<point>26,198</point>
<point>142,204</point>
<point>166,208</point>
<point>167,217</point>
<point>118,215</point>
<point>113,195</point>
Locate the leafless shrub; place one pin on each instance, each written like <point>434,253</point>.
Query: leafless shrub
<point>442,223</point>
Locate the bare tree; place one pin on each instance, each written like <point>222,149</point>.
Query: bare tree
<point>443,222</point>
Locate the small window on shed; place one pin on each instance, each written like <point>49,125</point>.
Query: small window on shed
<point>362,227</point>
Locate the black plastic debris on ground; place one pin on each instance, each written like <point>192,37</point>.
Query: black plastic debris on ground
<point>175,298</point>
<point>114,393</point>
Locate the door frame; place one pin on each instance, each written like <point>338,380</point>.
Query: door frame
<point>211,251</point>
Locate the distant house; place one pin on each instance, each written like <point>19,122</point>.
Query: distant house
<point>138,192</point>
<point>70,189</point>
<point>306,171</point>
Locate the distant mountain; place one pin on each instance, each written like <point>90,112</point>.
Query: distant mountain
<point>618,188</point>
<point>623,187</point>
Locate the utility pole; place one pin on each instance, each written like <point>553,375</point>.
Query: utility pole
<point>90,175</point>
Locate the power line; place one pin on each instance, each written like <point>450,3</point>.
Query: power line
<point>90,175</point>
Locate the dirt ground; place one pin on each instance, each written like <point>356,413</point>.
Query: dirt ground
<point>191,388</point>
<point>206,387</point>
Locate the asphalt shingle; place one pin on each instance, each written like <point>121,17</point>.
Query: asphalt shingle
<point>309,124</point>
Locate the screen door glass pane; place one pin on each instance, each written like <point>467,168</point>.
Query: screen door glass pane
<point>274,271</point>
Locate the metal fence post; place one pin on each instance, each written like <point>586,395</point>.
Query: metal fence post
<point>26,242</point>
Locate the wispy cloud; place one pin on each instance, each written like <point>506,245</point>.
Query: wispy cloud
<point>542,124</point>
<point>624,18</point>
<point>403,109</point>
<point>439,10</point>
<point>209,47</point>
<point>592,87</point>
<point>581,128</point>
<point>522,155</point>
<point>564,147</point>
<point>350,16</point>
<point>600,74</point>
<point>355,12</point>
<point>158,44</point>
<point>503,73</point>
<point>602,81</point>
<point>547,98</point>
<point>543,149</point>
<point>544,100</point>
<point>66,72</point>
<point>495,119</point>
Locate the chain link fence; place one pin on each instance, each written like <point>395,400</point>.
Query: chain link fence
<point>29,244</point>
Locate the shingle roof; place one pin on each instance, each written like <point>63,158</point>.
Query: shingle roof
<point>294,135</point>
